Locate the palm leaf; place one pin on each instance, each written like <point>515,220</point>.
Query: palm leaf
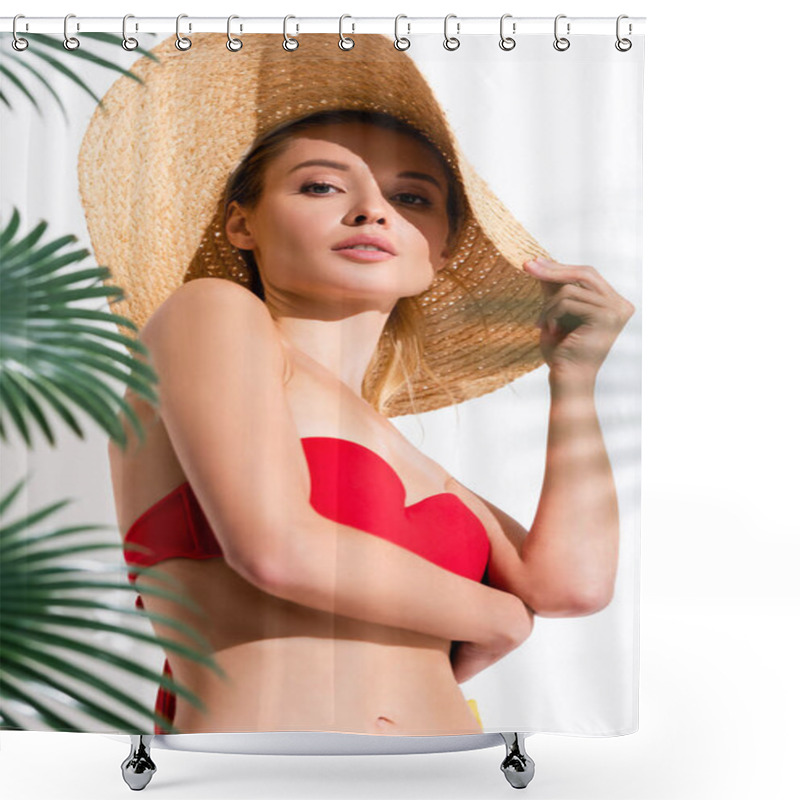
<point>49,49</point>
<point>23,62</point>
<point>50,357</point>
<point>36,655</point>
<point>55,357</point>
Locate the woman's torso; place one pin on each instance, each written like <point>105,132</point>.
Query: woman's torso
<point>292,667</point>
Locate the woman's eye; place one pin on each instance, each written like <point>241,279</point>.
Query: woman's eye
<point>314,184</point>
<point>425,201</point>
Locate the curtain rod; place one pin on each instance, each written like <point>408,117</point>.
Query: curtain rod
<point>407,25</point>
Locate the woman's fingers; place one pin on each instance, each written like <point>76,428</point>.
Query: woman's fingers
<point>580,317</point>
<point>572,312</point>
<point>552,271</point>
<point>583,283</point>
<point>576,292</point>
<point>575,308</point>
<point>570,299</point>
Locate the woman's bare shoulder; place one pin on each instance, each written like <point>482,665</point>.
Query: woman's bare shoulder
<point>217,311</point>
<point>210,332</point>
<point>202,292</point>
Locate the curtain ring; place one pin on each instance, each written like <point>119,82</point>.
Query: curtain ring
<point>18,43</point>
<point>182,42</point>
<point>506,42</point>
<point>451,42</point>
<point>233,44</point>
<point>70,42</point>
<point>561,43</point>
<point>295,43</point>
<point>345,39</point>
<point>401,42</point>
<point>128,42</point>
<point>623,45</point>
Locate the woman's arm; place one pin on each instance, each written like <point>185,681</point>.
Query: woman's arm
<point>571,551</point>
<point>343,570</point>
<point>565,565</point>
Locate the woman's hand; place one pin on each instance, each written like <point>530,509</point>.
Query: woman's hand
<point>581,317</point>
<point>469,658</point>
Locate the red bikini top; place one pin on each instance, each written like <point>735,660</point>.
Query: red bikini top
<point>350,484</point>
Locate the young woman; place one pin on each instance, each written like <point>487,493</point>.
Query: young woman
<point>345,581</point>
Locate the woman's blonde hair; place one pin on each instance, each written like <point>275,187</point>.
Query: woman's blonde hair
<point>403,328</point>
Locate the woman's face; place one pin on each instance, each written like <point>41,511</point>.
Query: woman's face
<point>374,182</point>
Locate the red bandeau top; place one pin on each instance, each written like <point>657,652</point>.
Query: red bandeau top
<point>351,484</point>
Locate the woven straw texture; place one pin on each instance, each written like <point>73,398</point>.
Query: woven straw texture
<point>155,157</point>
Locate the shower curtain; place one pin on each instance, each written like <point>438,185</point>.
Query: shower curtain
<point>554,133</point>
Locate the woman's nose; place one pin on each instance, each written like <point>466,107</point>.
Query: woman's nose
<point>376,217</point>
<point>371,207</point>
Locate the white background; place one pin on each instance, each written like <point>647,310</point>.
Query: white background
<point>719,603</point>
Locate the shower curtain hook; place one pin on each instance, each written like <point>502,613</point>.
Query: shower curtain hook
<point>70,42</point>
<point>406,43</point>
<point>451,42</point>
<point>623,45</point>
<point>18,42</point>
<point>561,43</point>
<point>507,42</point>
<point>343,38</point>
<point>128,42</point>
<point>286,38</point>
<point>182,42</point>
<point>234,45</point>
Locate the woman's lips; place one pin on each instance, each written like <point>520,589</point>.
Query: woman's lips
<point>364,255</point>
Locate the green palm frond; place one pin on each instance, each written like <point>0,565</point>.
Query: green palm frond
<point>48,48</point>
<point>43,600</point>
<point>55,354</point>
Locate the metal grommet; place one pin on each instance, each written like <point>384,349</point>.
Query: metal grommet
<point>345,42</point>
<point>451,42</point>
<point>506,42</point>
<point>182,42</point>
<point>401,43</point>
<point>18,42</point>
<point>623,45</point>
<point>70,42</point>
<point>289,42</point>
<point>561,43</point>
<point>128,42</point>
<point>234,45</point>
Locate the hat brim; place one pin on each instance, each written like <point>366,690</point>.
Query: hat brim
<point>156,156</point>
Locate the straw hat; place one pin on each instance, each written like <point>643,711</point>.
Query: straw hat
<point>154,161</point>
